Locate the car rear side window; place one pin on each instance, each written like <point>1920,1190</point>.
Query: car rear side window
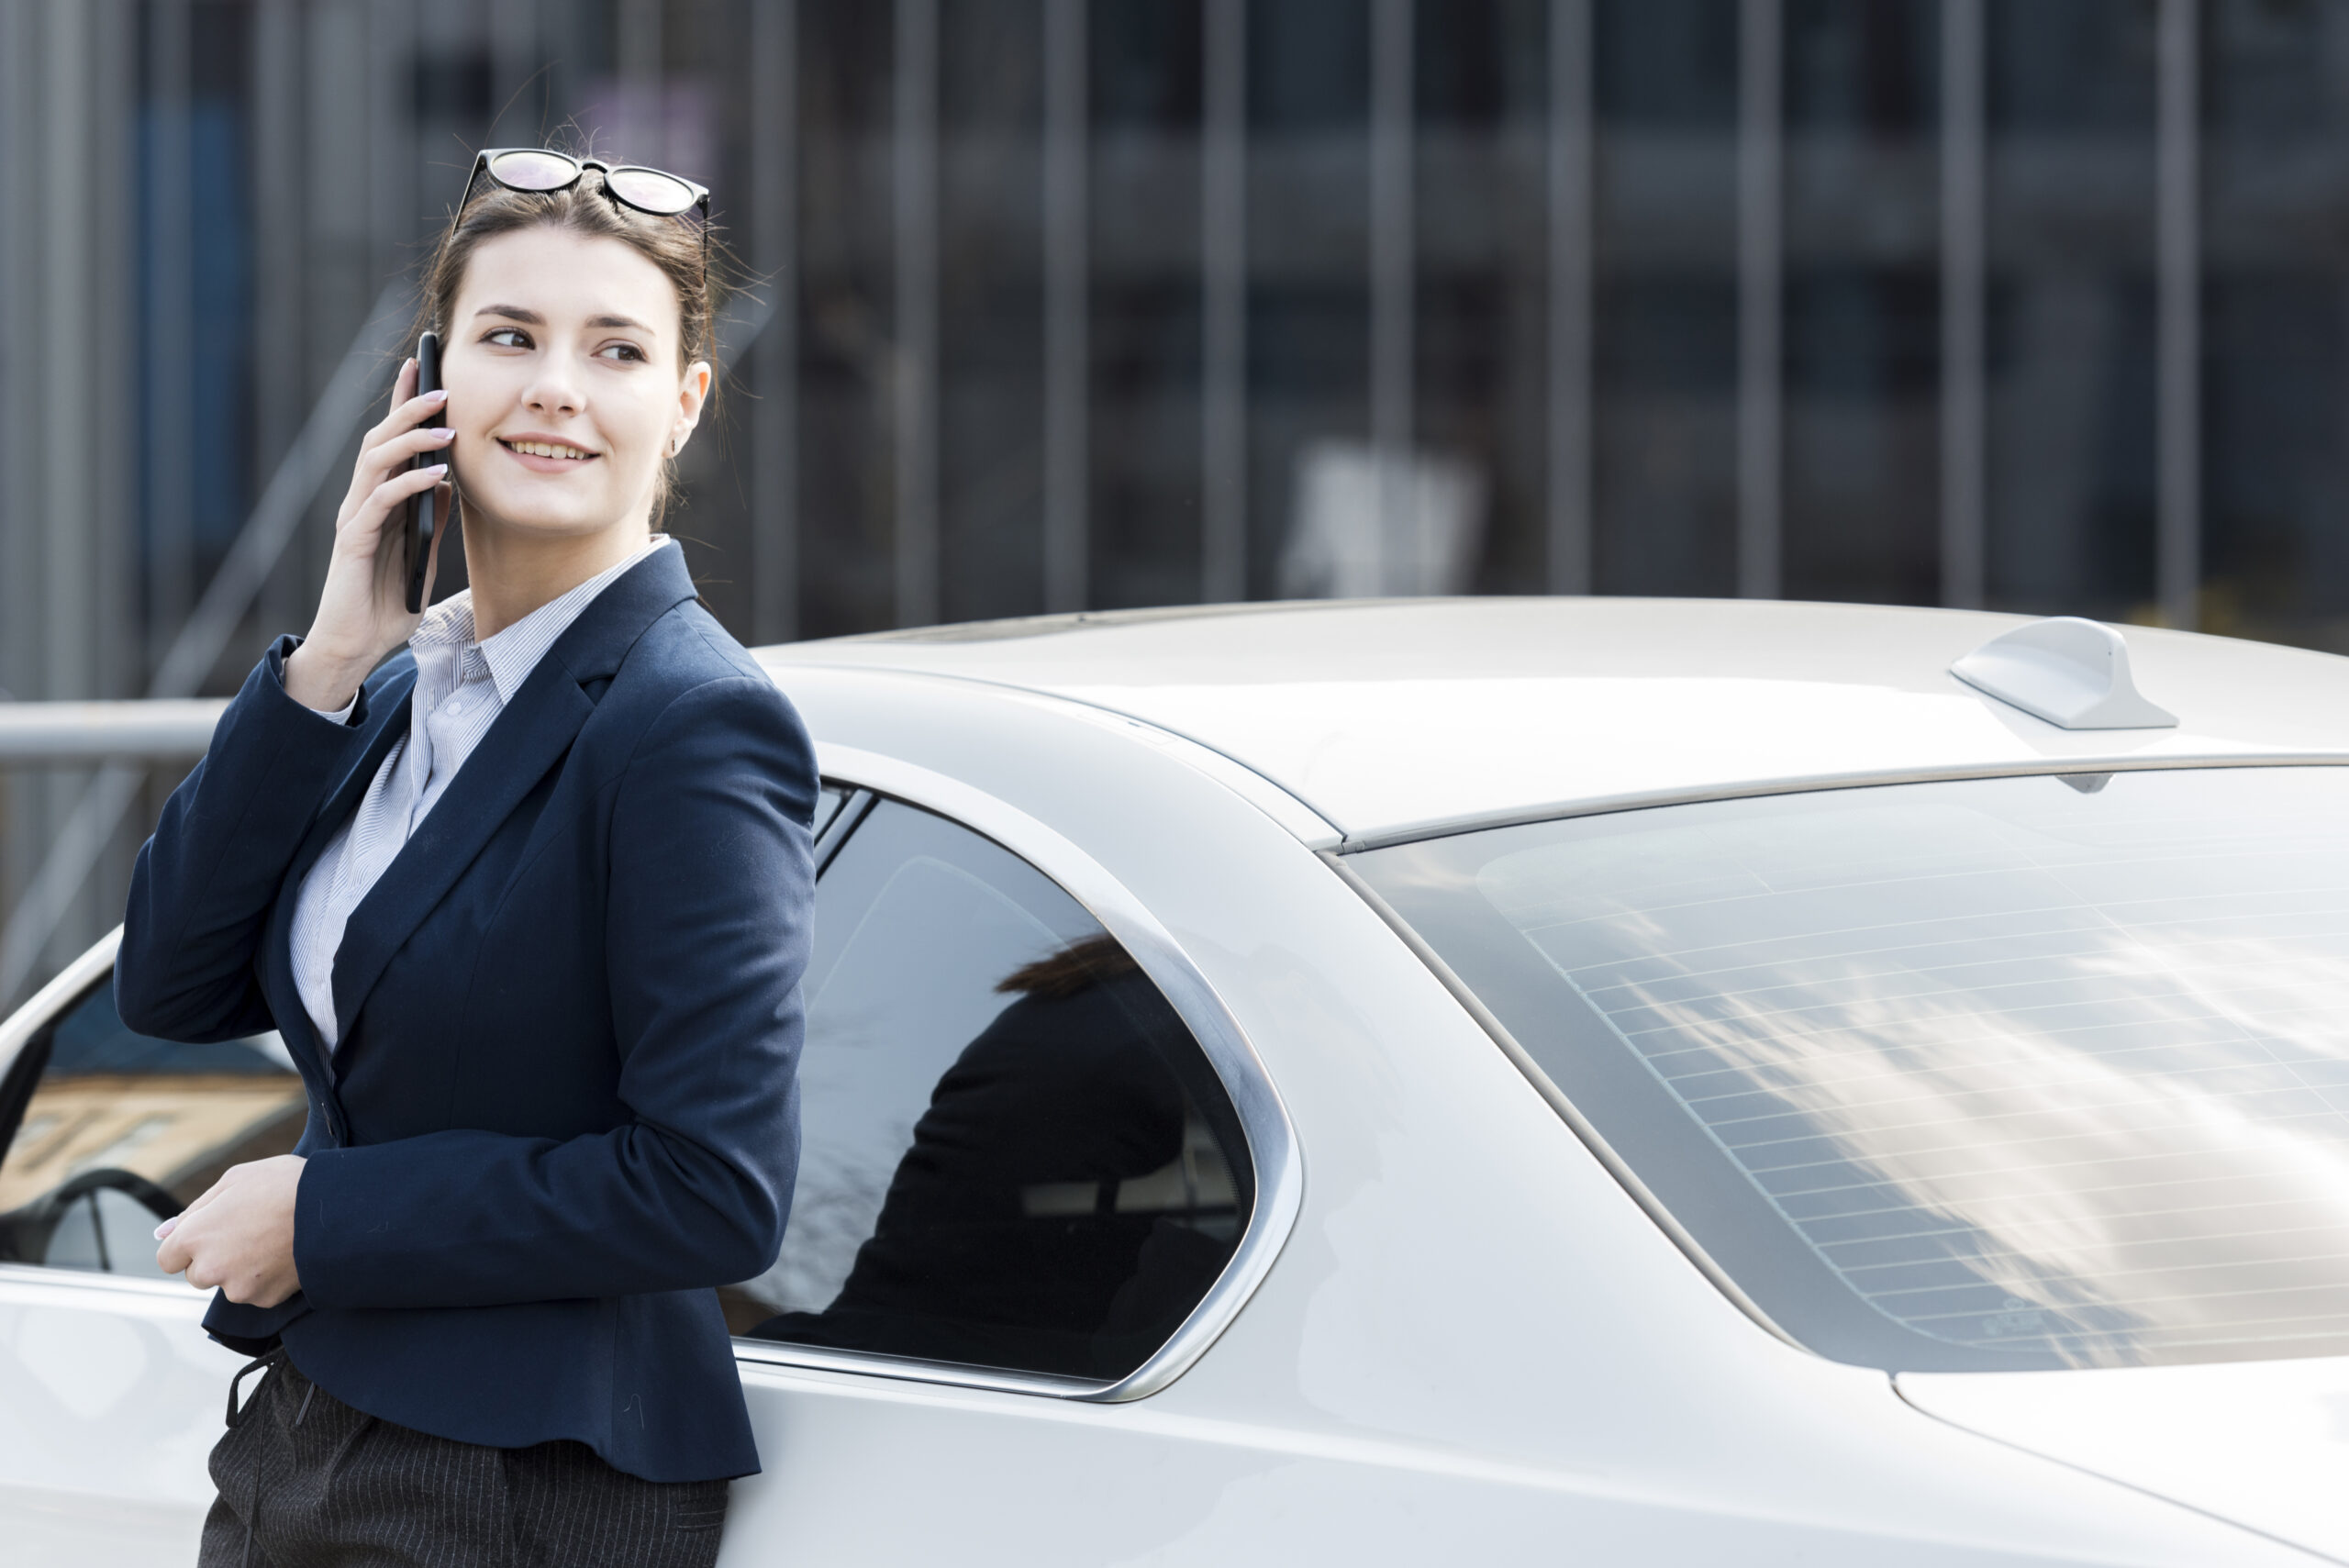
<point>2012,1072</point>
<point>1014,1154</point>
<point>114,1131</point>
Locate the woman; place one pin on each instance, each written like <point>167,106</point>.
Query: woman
<point>529,904</point>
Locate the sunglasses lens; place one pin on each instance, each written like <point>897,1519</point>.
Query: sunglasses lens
<point>533,171</point>
<point>649,190</point>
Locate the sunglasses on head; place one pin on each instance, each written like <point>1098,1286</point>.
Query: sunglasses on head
<point>539,170</point>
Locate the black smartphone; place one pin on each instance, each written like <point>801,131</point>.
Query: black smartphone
<point>422,510</point>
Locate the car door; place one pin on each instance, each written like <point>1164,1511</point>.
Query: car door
<point>1029,1194</point>
<point>111,1395</point>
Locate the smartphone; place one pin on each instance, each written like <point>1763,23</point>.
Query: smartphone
<point>421,509</point>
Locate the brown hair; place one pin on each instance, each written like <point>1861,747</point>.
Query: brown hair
<point>1082,964</point>
<point>674,245</point>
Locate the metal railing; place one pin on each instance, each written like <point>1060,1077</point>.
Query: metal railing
<point>160,730</point>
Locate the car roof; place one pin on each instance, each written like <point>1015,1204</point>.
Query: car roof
<point>1398,718</point>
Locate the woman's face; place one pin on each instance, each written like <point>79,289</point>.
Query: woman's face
<point>561,360</point>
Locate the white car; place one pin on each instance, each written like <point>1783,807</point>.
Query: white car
<point>1593,1082</point>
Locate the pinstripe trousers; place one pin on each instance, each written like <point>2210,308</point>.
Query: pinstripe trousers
<point>307,1481</point>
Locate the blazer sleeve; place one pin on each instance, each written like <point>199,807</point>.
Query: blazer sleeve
<point>711,890</point>
<point>204,883</point>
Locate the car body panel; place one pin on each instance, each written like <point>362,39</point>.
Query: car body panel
<point>111,1395</point>
<point>111,1392</point>
<point>2264,1443</point>
<point>1391,720</point>
<point>1438,1298</point>
<point>872,1473</point>
<point>1471,1343</point>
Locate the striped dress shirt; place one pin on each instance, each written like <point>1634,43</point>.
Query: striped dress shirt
<point>462,687</point>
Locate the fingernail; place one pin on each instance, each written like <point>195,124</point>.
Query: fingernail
<point>439,397</point>
<point>445,433</point>
<point>167,1228</point>
<point>438,468</point>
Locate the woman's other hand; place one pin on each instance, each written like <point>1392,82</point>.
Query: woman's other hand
<point>238,1236</point>
<point>362,613</point>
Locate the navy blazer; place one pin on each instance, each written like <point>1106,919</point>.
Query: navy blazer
<point>565,1103</point>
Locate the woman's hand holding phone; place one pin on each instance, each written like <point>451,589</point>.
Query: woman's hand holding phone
<point>362,612</point>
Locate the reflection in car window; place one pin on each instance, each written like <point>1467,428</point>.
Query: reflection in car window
<point>112,1131</point>
<point>1013,1155</point>
<point>2008,1072</point>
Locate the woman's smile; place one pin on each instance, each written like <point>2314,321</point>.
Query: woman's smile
<point>546,454</point>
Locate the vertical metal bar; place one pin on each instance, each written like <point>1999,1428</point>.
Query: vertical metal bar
<point>2178,569</point>
<point>281,274</point>
<point>392,149</point>
<point>281,393</point>
<point>1761,300</point>
<point>915,155</point>
<point>1392,285</point>
<point>20,403</point>
<point>560,99</point>
<point>66,476</point>
<point>518,92</point>
<point>638,42</point>
<point>168,448</point>
<point>1964,435</point>
<point>775,241</point>
<point>110,344</point>
<point>1067,456</point>
<point>337,216</point>
<point>1570,190</point>
<point>1223,280</point>
<point>21,410</point>
<point>68,480</point>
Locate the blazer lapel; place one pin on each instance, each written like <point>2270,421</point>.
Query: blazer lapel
<point>277,949</point>
<point>532,735</point>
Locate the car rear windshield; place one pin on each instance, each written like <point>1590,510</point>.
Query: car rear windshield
<point>1984,1074</point>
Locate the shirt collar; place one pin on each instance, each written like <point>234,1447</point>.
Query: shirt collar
<point>447,629</point>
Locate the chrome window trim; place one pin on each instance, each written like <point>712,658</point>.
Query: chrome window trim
<point>1263,1119</point>
<point>842,823</point>
<point>1751,789</point>
<point>826,818</point>
<point>816,1358</point>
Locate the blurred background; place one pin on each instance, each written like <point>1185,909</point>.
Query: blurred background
<point>1065,305</point>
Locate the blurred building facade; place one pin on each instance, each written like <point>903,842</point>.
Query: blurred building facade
<point>1088,304</point>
